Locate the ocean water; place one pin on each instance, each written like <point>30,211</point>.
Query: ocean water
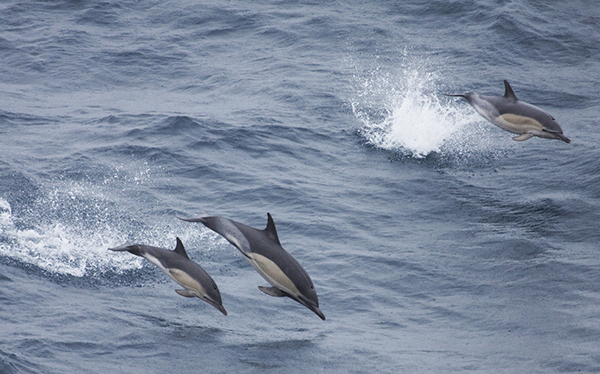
<point>436,243</point>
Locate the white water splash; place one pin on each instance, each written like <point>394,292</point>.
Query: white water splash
<point>407,114</point>
<point>71,225</point>
<point>60,249</point>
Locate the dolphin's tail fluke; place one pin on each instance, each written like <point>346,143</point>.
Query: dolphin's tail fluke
<point>127,246</point>
<point>192,219</point>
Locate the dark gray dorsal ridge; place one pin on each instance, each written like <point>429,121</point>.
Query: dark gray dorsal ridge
<point>270,230</point>
<point>509,93</point>
<point>180,250</point>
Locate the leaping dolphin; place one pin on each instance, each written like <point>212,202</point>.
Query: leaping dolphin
<point>513,115</point>
<point>177,265</point>
<point>264,251</point>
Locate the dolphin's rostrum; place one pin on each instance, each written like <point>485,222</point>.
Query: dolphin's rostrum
<point>264,251</point>
<point>513,115</point>
<point>177,265</point>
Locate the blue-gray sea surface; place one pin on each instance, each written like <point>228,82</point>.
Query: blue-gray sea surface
<point>436,243</point>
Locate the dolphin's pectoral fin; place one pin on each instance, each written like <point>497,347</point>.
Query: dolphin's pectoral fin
<point>523,137</point>
<point>272,291</point>
<point>186,293</point>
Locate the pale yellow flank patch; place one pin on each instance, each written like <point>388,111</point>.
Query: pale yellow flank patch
<point>273,274</point>
<point>521,123</point>
<point>186,281</point>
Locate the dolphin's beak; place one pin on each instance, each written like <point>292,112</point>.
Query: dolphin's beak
<point>558,136</point>
<point>216,305</point>
<point>318,312</point>
<point>310,305</point>
<point>221,309</point>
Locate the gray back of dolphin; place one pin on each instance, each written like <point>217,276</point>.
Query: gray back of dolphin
<point>264,251</point>
<point>177,265</point>
<point>513,115</point>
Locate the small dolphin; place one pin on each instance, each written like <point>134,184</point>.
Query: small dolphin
<point>184,271</point>
<point>515,116</point>
<point>264,251</point>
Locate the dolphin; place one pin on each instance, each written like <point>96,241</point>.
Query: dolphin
<point>264,251</point>
<point>177,265</point>
<point>513,115</point>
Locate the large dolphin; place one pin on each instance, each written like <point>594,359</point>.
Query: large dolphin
<point>177,265</point>
<point>513,115</point>
<point>264,251</point>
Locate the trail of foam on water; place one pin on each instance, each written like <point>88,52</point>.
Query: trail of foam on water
<point>71,225</point>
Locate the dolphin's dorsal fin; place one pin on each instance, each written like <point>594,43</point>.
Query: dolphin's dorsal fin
<point>180,250</point>
<point>270,230</point>
<point>509,93</point>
